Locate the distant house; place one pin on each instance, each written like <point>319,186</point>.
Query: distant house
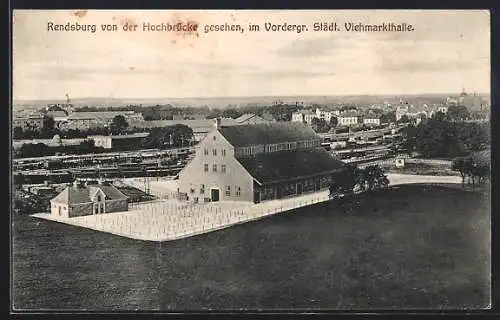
<point>348,118</point>
<point>87,120</point>
<point>325,115</point>
<point>250,118</point>
<point>304,116</point>
<point>414,112</point>
<point>372,120</point>
<point>258,162</point>
<point>83,200</point>
<point>443,109</point>
<point>34,121</point>
<point>128,141</point>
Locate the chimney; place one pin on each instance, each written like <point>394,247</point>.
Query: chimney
<point>218,122</point>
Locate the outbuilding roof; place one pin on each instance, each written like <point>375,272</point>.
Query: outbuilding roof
<point>288,165</point>
<point>82,194</point>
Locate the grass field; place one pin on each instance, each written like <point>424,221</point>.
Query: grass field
<point>412,247</point>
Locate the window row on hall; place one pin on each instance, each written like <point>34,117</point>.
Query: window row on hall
<point>228,191</point>
<point>215,168</point>
<point>215,152</point>
<point>287,189</point>
<point>245,151</point>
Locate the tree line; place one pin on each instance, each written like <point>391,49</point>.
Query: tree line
<point>119,125</point>
<point>440,136</point>
<point>474,169</point>
<point>355,179</point>
<point>158,138</point>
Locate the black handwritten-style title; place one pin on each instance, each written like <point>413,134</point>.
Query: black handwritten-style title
<point>193,27</point>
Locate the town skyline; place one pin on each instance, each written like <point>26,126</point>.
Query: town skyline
<point>274,97</point>
<point>441,55</point>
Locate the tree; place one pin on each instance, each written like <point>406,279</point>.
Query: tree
<point>476,168</point>
<point>346,108</point>
<point>375,178</point>
<point>458,112</point>
<point>231,112</point>
<point>409,134</point>
<point>344,182</point>
<point>18,133</point>
<point>119,124</point>
<point>462,165</point>
<point>172,136</point>
<point>404,119</point>
<point>334,122</point>
<point>48,128</point>
<point>55,107</point>
<point>388,117</point>
<point>319,125</point>
<point>28,150</point>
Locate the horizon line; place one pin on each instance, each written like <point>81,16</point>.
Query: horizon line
<point>256,96</point>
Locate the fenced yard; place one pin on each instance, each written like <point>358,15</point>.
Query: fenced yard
<point>163,220</point>
<point>168,218</point>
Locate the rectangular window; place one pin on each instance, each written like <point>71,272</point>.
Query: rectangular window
<point>214,152</point>
<point>214,168</point>
<point>206,167</point>
<point>223,152</point>
<point>206,151</point>
<point>202,189</point>
<point>223,168</point>
<point>228,191</point>
<point>238,191</point>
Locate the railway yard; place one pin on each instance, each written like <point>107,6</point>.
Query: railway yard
<point>40,178</point>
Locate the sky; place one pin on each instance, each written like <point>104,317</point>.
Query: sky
<point>446,52</point>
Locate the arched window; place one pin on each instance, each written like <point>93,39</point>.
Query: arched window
<point>99,198</point>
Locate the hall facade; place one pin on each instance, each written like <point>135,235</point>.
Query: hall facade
<point>258,162</point>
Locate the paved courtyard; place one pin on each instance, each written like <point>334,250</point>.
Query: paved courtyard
<point>169,219</point>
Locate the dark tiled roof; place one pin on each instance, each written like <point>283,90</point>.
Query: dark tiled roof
<point>287,165</point>
<point>267,133</point>
<point>112,193</point>
<point>348,114</point>
<point>75,195</point>
<point>199,125</point>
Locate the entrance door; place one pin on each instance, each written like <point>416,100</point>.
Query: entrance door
<point>279,192</point>
<point>214,194</point>
<point>299,188</point>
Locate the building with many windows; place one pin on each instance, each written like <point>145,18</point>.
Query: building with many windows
<point>304,116</point>
<point>371,120</point>
<point>348,118</point>
<point>258,162</point>
<point>82,200</point>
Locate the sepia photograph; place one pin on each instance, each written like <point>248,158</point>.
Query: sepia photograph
<point>250,160</point>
